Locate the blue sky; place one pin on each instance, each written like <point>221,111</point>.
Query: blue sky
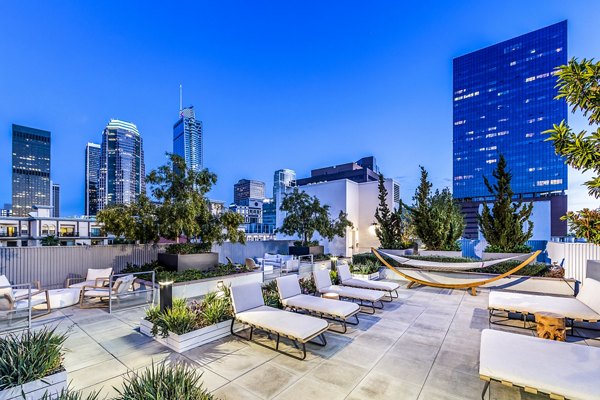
<point>294,84</point>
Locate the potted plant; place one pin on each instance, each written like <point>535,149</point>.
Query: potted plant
<point>304,216</point>
<point>367,270</point>
<point>32,364</point>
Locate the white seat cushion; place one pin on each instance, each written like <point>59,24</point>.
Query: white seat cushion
<point>374,285</point>
<point>297,326</point>
<point>566,369</point>
<point>589,294</point>
<point>247,296</point>
<point>570,307</point>
<point>5,288</point>
<point>35,300</point>
<point>97,293</point>
<point>93,274</point>
<point>354,293</point>
<point>340,309</point>
<point>288,286</point>
<point>82,284</point>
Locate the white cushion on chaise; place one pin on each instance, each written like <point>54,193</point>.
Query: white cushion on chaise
<point>567,369</point>
<point>292,297</point>
<point>347,280</point>
<point>323,283</point>
<point>91,279</point>
<point>586,306</point>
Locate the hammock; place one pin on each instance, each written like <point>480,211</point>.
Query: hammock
<point>441,275</point>
<point>447,267</point>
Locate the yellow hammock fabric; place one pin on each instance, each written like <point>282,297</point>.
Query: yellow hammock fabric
<point>432,277</point>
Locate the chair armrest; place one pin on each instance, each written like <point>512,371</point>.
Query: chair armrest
<point>33,293</point>
<point>37,285</point>
<point>70,281</point>
<point>103,281</point>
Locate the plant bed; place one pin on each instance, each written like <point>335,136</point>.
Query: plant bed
<point>183,262</point>
<point>367,270</point>
<point>367,277</point>
<point>51,384</point>
<point>201,287</point>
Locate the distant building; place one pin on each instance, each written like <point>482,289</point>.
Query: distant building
<point>283,180</point>
<point>217,207</point>
<point>55,200</point>
<point>251,210</point>
<point>503,99</point>
<point>122,171</point>
<point>269,215</point>
<point>30,169</point>
<point>6,211</point>
<point>92,167</point>
<point>363,170</point>
<point>187,139</point>
<point>246,189</point>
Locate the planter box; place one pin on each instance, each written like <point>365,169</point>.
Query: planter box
<point>440,253</point>
<point>182,262</point>
<point>302,250</point>
<point>203,286</point>
<point>53,384</point>
<point>190,340</point>
<point>367,277</point>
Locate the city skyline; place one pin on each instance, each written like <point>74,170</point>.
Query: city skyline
<point>316,97</point>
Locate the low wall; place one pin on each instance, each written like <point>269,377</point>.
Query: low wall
<point>573,257</point>
<point>239,252</point>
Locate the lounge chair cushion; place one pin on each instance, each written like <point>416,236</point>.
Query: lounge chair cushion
<point>123,284</point>
<point>247,296</point>
<point>100,292</point>
<point>296,326</point>
<point>354,293</point>
<point>589,294</point>
<point>35,300</point>
<point>374,285</point>
<point>5,288</point>
<point>288,286</point>
<point>322,278</point>
<point>566,369</point>
<point>570,307</point>
<point>340,309</point>
<point>93,274</point>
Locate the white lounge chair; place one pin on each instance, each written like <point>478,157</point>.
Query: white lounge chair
<point>120,287</point>
<point>14,298</point>
<point>249,308</point>
<point>559,369</point>
<point>346,278</point>
<point>371,297</point>
<point>583,308</point>
<point>94,277</point>
<point>291,297</point>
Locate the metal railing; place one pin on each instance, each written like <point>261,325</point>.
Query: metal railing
<point>140,294</point>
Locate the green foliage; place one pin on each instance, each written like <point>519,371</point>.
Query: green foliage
<point>308,285</point>
<point>585,224</point>
<point>69,394</point>
<point>271,295</point>
<point>523,248</point>
<point>187,275</point>
<point>321,257</point>
<point>579,84</point>
<point>50,240</point>
<point>305,215</point>
<point>213,308</point>
<point>367,267</point>
<point>392,226</point>
<point>335,279</point>
<point>137,221</point>
<point>310,243</point>
<point>436,217</point>
<point>364,258</point>
<point>162,382</point>
<point>178,319</point>
<point>502,226</point>
<point>188,248</point>
<point>30,356</point>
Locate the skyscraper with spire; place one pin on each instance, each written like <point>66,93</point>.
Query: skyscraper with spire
<point>187,137</point>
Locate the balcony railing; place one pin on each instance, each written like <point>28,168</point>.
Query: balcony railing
<point>8,234</point>
<point>68,234</point>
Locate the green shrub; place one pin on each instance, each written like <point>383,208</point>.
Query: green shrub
<point>363,258</point>
<point>68,394</point>
<point>188,248</point>
<point>366,268</point>
<point>184,276</point>
<point>179,319</point>
<point>522,248</point>
<point>271,295</point>
<point>160,382</point>
<point>30,356</point>
<point>310,243</point>
<point>335,279</point>
<point>213,308</point>
<point>321,257</point>
<point>308,285</point>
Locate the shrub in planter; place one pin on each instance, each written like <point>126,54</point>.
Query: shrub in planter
<point>68,394</point>
<point>188,248</point>
<point>163,382</point>
<point>187,275</point>
<point>366,268</point>
<point>30,356</point>
<point>363,258</point>
<point>270,295</point>
<point>308,285</point>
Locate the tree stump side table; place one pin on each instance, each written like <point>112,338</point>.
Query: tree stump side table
<point>551,326</point>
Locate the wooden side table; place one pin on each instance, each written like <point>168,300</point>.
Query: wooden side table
<point>332,296</point>
<point>551,326</point>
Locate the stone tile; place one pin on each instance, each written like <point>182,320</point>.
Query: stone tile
<point>453,382</point>
<point>297,366</point>
<point>215,350</point>
<point>106,389</point>
<point>467,362</point>
<point>404,348</point>
<point>236,364</point>
<point>381,387</point>
<point>231,391</point>
<point>411,371</point>
<point>341,375</point>
<point>306,388</point>
<point>278,379</point>
<point>96,374</point>
<point>362,356</point>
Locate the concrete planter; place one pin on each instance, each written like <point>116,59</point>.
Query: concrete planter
<point>203,286</point>
<point>305,250</point>
<point>367,277</point>
<point>182,262</point>
<point>52,384</point>
<point>190,340</point>
<point>440,253</point>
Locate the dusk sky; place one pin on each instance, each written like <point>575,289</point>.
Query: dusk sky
<point>293,84</point>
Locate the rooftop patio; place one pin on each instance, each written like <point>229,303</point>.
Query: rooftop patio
<point>424,345</point>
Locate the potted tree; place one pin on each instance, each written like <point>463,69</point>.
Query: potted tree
<point>304,216</point>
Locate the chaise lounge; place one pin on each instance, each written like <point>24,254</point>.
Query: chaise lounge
<point>371,297</point>
<point>585,307</point>
<point>346,278</point>
<point>559,369</point>
<point>249,308</point>
<point>291,297</point>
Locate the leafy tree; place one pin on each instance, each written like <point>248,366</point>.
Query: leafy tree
<point>137,221</point>
<point>50,240</point>
<point>436,218</point>
<point>392,226</point>
<point>579,84</point>
<point>305,216</point>
<point>502,226</point>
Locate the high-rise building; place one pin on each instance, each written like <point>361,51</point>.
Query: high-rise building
<point>283,180</point>
<point>92,167</point>
<point>246,189</point>
<point>503,101</point>
<point>363,170</point>
<point>30,169</point>
<point>55,200</point>
<point>187,139</point>
<point>122,172</point>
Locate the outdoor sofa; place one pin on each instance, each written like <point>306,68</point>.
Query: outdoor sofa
<point>15,298</point>
<point>291,297</point>
<point>249,308</point>
<point>366,297</point>
<point>346,279</point>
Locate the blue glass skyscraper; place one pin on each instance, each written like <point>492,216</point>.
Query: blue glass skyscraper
<point>187,139</point>
<point>503,99</point>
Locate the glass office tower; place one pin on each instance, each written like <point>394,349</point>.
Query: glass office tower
<point>92,166</point>
<point>55,200</point>
<point>30,169</point>
<point>187,139</point>
<point>121,174</point>
<point>503,99</point>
